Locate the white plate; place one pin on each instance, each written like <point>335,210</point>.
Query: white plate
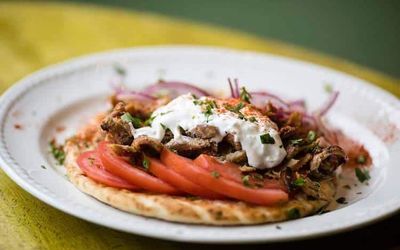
<point>69,93</point>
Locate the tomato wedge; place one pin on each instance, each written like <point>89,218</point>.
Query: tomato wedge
<point>232,172</point>
<point>94,169</point>
<point>168,175</point>
<point>134,175</point>
<point>194,171</point>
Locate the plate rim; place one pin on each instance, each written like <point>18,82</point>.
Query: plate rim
<point>12,94</point>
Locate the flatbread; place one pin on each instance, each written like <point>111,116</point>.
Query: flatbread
<point>182,209</point>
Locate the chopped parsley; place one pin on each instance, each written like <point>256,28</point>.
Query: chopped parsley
<point>341,200</point>
<point>311,136</point>
<point>127,117</point>
<point>299,182</point>
<point>207,106</point>
<point>163,126</point>
<point>43,166</point>
<point>57,151</point>
<point>146,163</point>
<point>362,175</point>
<point>237,108</point>
<point>296,141</point>
<point>246,180</point>
<point>244,95</point>
<point>252,119</point>
<point>215,174</point>
<point>267,139</point>
<point>149,121</point>
<point>293,213</point>
<point>258,176</point>
<point>361,159</point>
<point>208,112</point>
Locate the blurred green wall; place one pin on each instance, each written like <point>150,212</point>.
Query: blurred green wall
<point>364,31</point>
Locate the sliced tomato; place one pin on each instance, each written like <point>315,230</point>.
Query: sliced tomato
<point>94,169</point>
<point>168,175</point>
<point>118,166</point>
<point>194,171</point>
<point>232,172</point>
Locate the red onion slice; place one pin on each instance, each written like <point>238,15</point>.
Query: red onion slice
<point>328,105</point>
<point>122,93</point>
<point>233,95</point>
<point>173,89</point>
<point>260,99</point>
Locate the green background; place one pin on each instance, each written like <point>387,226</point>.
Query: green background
<point>365,32</point>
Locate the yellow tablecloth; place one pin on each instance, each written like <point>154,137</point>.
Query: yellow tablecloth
<point>33,35</point>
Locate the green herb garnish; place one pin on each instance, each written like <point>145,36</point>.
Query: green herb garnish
<point>362,175</point>
<point>299,182</point>
<point>252,119</point>
<point>43,166</point>
<point>163,126</point>
<point>296,141</point>
<point>311,136</point>
<point>258,176</point>
<point>246,180</point>
<point>149,121</point>
<point>244,95</point>
<point>361,159</point>
<point>208,112</point>
<point>57,151</point>
<point>267,139</point>
<point>328,88</point>
<point>207,106</point>
<point>127,117</point>
<point>120,71</point>
<point>215,174</point>
<point>293,213</point>
<point>146,163</point>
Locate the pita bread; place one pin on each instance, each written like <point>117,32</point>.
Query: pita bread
<point>182,209</point>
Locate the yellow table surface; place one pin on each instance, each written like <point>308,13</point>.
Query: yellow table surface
<point>33,35</point>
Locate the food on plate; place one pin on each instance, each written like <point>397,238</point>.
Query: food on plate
<point>176,152</point>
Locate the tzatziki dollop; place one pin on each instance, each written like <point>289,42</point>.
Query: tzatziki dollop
<point>257,134</point>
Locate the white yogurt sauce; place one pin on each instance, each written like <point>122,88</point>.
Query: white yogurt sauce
<point>186,112</point>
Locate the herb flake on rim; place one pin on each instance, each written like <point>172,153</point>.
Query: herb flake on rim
<point>267,139</point>
<point>119,70</point>
<point>328,88</point>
